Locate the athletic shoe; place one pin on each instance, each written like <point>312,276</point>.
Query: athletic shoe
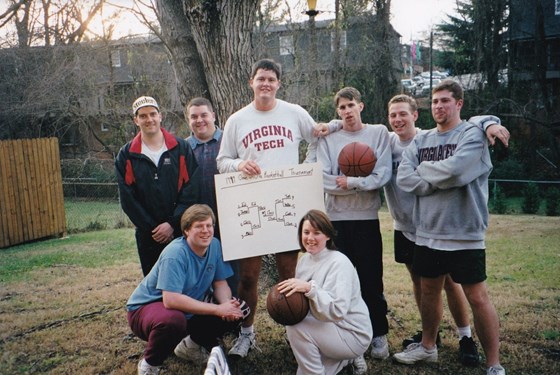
<point>359,365</point>
<point>217,362</point>
<point>144,368</point>
<point>379,347</point>
<point>242,344</point>
<point>418,338</point>
<point>496,370</point>
<point>468,353</point>
<point>415,352</point>
<point>190,351</point>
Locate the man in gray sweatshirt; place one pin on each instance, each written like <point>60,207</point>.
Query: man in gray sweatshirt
<point>447,168</point>
<point>352,204</point>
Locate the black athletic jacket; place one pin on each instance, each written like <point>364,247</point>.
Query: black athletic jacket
<point>150,194</point>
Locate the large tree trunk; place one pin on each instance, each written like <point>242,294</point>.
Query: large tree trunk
<point>177,36</point>
<point>223,32</point>
<point>210,47</point>
<point>385,77</point>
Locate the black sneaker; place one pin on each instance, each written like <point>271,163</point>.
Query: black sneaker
<point>417,338</point>
<point>468,353</point>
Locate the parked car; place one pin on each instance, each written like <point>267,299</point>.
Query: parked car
<point>426,87</point>
<point>419,81</point>
<point>440,75</point>
<point>409,87</point>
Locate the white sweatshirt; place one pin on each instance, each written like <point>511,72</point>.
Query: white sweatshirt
<point>270,138</point>
<point>336,296</point>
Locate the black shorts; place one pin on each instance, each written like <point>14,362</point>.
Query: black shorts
<point>404,248</point>
<point>464,266</point>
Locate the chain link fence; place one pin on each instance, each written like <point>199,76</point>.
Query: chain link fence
<point>92,205</point>
<point>91,197</point>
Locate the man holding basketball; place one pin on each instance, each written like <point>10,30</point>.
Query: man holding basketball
<point>447,168</point>
<point>264,134</point>
<point>352,204</point>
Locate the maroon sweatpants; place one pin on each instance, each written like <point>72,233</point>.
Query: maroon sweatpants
<point>164,328</point>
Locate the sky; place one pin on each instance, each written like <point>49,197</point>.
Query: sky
<point>411,18</point>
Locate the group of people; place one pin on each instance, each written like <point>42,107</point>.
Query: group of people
<point>435,184</point>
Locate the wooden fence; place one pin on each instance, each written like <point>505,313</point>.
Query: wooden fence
<point>31,199</point>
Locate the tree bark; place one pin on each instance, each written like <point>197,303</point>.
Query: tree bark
<point>210,46</point>
<point>177,37</point>
<point>223,32</point>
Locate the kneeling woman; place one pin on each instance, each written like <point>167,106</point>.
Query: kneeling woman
<point>337,331</point>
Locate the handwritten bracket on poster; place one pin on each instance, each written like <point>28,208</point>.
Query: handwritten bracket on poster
<point>260,214</point>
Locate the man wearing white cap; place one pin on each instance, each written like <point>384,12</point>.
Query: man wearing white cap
<point>158,180</point>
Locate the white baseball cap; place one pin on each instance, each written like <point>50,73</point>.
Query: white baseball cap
<point>144,101</point>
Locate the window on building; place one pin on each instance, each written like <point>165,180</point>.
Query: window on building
<point>286,45</point>
<point>342,42</point>
<point>116,59</point>
<point>557,7</point>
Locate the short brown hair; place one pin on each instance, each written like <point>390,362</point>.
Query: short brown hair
<point>196,212</point>
<point>199,102</point>
<point>349,93</point>
<point>452,86</point>
<point>320,221</point>
<point>267,64</point>
<point>402,98</point>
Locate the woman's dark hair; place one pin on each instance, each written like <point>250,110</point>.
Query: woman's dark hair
<point>320,221</point>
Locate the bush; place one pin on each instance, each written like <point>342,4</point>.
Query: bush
<point>553,202</point>
<point>499,204</point>
<point>531,199</point>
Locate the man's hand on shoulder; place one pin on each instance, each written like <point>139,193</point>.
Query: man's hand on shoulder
<point>497,131</point>
<point>321,129</point>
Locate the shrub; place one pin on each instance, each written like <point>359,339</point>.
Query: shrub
<point>553,202</point>
<point>499,204</point>
<point>531,199</point>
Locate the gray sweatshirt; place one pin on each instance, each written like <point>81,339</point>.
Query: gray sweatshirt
<point>448,172</point>
<point>401,203</point>
<point>361,201</point>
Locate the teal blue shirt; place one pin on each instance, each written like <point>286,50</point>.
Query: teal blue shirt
<point>180,270</point>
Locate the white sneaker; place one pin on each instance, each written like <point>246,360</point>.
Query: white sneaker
<point>380,347</point>
<point>359,365</point>
<point>415,352</point>
<point>144,368</point>
<point>496,370</point>
<point>242,344</point>
<point>191,351</point>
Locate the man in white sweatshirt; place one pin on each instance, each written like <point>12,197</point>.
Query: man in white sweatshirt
<point>264,134</point>
<point>447,168</point>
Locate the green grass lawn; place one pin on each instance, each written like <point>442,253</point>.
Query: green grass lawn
<point>62,306</point>
<point>87,215</point>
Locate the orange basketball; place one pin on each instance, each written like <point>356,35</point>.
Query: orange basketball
<point>356,159</point>
<point>286,310</point>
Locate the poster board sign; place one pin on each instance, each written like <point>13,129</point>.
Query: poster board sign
<point>260,214</point>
